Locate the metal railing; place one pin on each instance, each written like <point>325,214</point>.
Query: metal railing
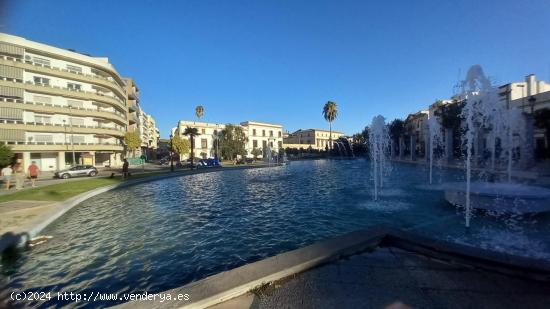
<point>109,79</point>
<point>38,123</point>
<point>116,112</point>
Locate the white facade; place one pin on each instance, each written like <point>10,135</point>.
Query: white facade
<point>262,136</point>
<point>54,101</point>
<point>259,135</point>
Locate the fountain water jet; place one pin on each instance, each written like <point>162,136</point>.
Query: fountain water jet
<point>379,143</point>
<point>483,112</point>
<point>435,139</point>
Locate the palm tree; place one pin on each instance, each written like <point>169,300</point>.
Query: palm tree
<point>330,112</point>
<point>191,132</point>
<point>199,111</point>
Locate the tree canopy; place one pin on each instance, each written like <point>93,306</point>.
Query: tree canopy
<point>6,155</point>
<point>199,111</point>
<point>132,140</point>
<point>330,111</point>
<point>232,142</point>
<point>181,145</point>
<point>450,115</point>
<point>397,128</point>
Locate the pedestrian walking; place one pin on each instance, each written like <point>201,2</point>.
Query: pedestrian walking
<point>6,174</point>
<point>125,167</point>
<point>33,173</point>
<point>19,175</point>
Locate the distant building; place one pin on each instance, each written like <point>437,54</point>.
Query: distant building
<point>416,127</point>
<point>259,135</point>
<point>314,138</point>
<point>263,136</point>
<point>206,141</point>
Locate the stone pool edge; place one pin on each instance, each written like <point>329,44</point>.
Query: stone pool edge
<point>20,236</point>
<point>229,285</point>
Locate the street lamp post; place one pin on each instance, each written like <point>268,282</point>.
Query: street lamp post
<point>72,135</point>
<point>171,154</point>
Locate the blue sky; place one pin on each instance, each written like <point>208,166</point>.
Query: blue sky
<point>280,61</point>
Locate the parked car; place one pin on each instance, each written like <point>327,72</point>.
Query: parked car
<point>77,171</point>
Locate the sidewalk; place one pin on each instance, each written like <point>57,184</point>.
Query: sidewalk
<point>47,178</point>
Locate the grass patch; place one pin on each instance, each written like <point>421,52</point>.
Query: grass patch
<point>63,191</point>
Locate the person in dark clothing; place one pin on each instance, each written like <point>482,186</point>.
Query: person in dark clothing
<point>125,169</point>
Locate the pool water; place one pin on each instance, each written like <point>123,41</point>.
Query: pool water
<point>166,233</point>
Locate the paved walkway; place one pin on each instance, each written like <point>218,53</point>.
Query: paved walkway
<point>47,178</point>
<point>388,275</point>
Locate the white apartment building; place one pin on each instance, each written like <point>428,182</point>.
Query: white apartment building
<point>54,102</point>
<point>259,135</point>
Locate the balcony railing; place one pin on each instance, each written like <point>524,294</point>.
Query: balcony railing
<point>33,123</point>
<point>109,79</point>
<point>57,143</point>
<point>116,112</point>
<point>99,93</point>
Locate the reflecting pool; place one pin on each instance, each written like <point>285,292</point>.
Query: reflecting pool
<point>166,233</point>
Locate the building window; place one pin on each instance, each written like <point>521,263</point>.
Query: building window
<point>43,138</point>
<point>280,133</point>
<point>263,132</point>
<point>42,99</point>
<point>78,139</point>
<point>264,145</point>
<point>271,133</point>
<point>280,144</point>
<point>204,143</point>
<point>76,121</point>
<point>271,144</point>
<point>203,131</point>
<point>44,119</point>
<point>75,103</point>
<point>253,132</point>
<point>74,68</point>
<point>41,61</point>
<point>41,80</point>
<point>215,132</point>
<point>254,144</point>
<point>75,87</point>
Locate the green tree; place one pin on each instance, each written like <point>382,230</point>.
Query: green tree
<point>180,145</point>
<point>6,155</point>
<point>192,133</point>
<point>330,112</point>
<point>256,152</point>
<point>450,114</point>
<point>396,129</point>
<point>132,140</point>
<point>199,111</point>
<point>450,118</point>
<point>232,142</point>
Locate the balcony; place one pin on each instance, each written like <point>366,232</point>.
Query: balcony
<point>65,92</point>
<point>50,146</point>
<point>27,65</point>
<point>59,128</point>
<point>63,109</point>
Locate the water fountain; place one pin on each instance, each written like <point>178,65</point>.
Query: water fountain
<point>379,143</point>
<point>482,112</point>
<point>435,140</point>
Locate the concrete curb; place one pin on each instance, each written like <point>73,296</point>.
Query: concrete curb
<point>25,233</point>
<point>230,284</point>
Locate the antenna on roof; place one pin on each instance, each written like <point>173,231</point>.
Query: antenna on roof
<point>456,87</point>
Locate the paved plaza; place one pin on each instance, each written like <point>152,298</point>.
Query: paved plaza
<point>389,275</point>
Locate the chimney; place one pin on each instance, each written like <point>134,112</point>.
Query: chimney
<point>530,80</point>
